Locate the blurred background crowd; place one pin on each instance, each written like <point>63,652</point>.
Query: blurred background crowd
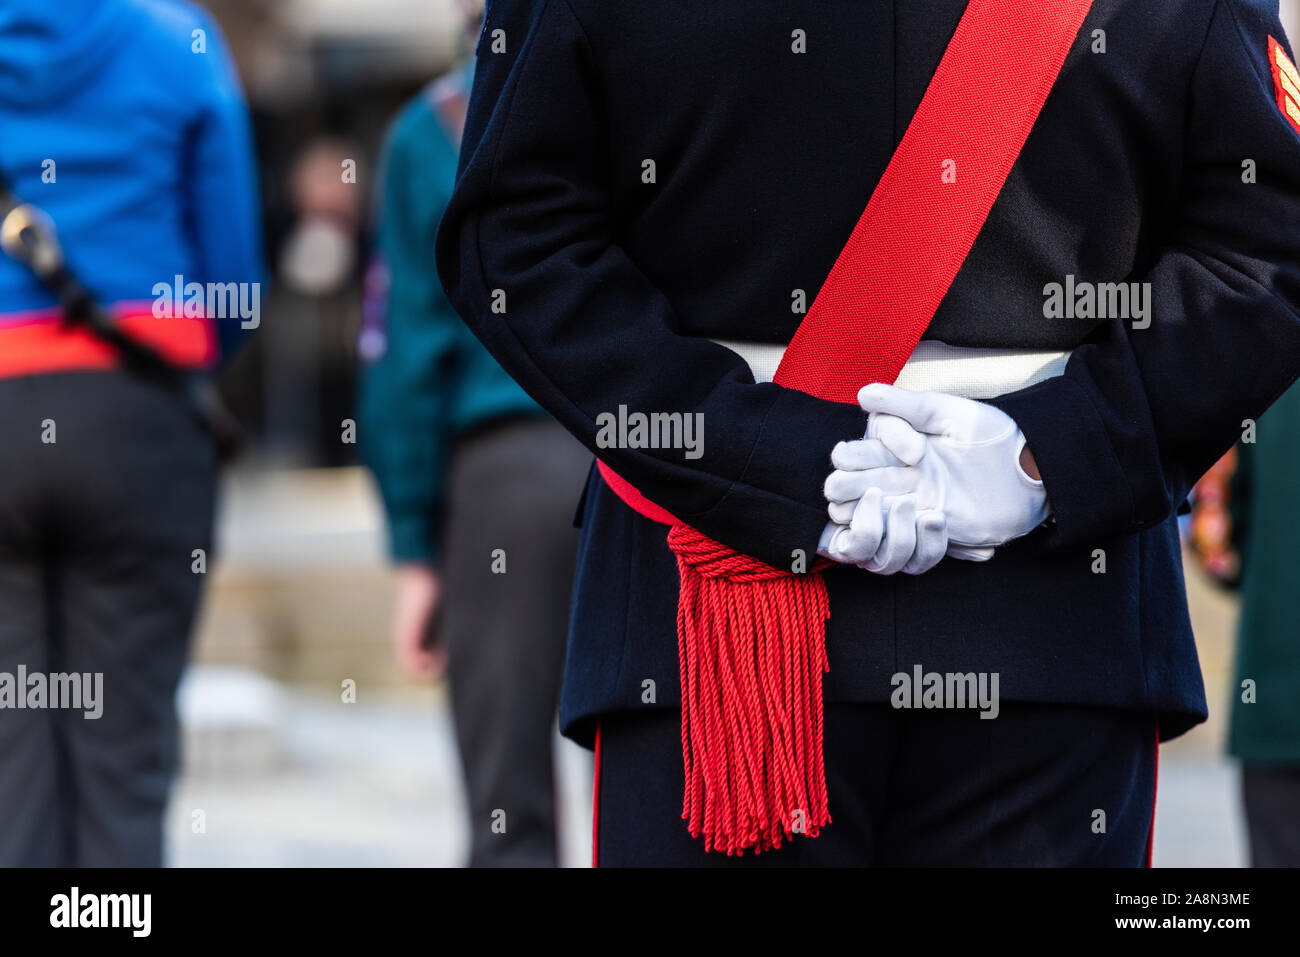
<point>306,742</point>
<point>314,576</point>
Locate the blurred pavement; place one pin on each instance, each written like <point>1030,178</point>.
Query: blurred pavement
<point>371,784</point>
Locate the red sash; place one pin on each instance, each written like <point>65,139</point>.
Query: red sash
<point>751,638</point>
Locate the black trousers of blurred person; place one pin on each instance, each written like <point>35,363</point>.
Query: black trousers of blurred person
<point>1271,795</point>
<point>97,533</point>
<point>507,577</point>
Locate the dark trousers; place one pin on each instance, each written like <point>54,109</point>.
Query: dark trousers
<point>97,536</point>
<point>508,572</point>
<point>1272,799</point>
<point>912,789</point>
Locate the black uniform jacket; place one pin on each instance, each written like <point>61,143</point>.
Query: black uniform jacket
<point>639,176</point>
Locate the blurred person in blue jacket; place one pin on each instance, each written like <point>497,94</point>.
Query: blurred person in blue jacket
<point>122,120</point>
<point>479,486</point>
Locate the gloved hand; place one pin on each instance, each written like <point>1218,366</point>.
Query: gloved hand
<point>960,458</point>
<point>888,533</point>
<point>889,440</point>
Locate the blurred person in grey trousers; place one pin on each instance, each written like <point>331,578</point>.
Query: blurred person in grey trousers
<point>124,122</point>
<point>480,487</point>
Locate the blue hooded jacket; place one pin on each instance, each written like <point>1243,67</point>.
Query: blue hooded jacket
<point>124,120</point>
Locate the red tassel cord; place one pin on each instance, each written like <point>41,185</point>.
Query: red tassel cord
<point>751,644</point>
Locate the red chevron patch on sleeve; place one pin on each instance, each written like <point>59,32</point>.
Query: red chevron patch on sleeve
<point>1286,82</point>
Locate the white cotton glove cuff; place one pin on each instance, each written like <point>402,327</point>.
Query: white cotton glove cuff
<point>1037,506</point>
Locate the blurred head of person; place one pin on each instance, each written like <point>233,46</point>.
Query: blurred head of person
<point>321,251</point>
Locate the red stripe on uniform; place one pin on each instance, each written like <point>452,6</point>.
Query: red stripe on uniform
<point>1155,788</point>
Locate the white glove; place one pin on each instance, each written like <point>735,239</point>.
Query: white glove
<point>887,535</point>
<point>887,437</point>
<point>962,460</point>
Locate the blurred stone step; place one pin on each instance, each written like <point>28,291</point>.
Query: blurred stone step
<point>231,720</point>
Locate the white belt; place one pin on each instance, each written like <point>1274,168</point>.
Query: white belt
<point>938,367</point>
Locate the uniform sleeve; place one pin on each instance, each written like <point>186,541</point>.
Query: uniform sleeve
<point>223,206</point>
<point>406,395</point>
<point>583,329</point>
<point>1140,414</point>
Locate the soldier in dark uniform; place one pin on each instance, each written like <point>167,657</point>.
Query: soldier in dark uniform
<point>638,179</point>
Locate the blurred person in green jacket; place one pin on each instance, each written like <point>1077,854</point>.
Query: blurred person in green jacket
<point>1265,729</point>
<point>479,486</point>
